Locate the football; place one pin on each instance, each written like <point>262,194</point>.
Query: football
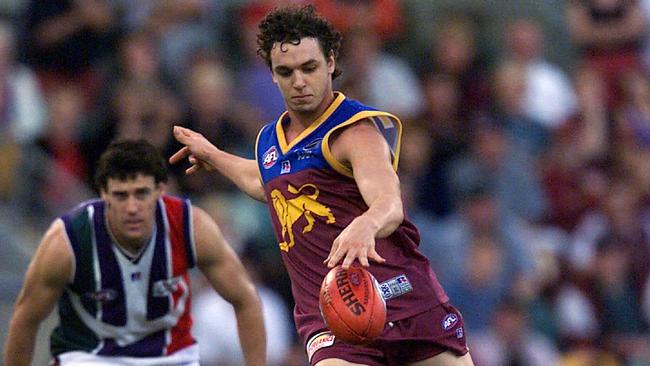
<point>351,305</point>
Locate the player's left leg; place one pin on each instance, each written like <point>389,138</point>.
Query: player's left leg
<point>337,362</point>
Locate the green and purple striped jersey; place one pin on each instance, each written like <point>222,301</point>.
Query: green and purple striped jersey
<point>121,306</point>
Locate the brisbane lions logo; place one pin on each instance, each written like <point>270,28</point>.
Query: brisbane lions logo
<point>290,210</point>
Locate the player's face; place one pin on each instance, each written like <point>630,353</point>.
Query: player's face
<point>303,74</point>
<point>131,208</point>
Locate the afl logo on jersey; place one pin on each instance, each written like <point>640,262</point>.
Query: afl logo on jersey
<point>449,321</point>
<point>270,157</point>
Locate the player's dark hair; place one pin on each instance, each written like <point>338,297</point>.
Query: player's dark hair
<point>291,24</point>
<point>125,159</point>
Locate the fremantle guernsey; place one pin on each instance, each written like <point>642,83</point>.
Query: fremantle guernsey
<point>123,307</point>
<point>312,198</point>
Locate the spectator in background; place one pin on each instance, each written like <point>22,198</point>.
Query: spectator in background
<point>372,74</point>
<point>485,280</point>
<point>631,132</point>
<point>607,265</point>
<point>614,290</point>
<point>66,41</point>
<point>22,112</point>
<point>137,102</point>
<point>384,18</point>
<point>145,111</point>
<point>580,142</point>
<point>136,67</point>
<point>645,6</point>
<point>507,168</point>
<point>510,86</point>
<point>209,90</point>
<point>182,28</point>
<point>138,58</point>
<point>619,213</point>
<point>58,170</point>
<point>601,308</point>
<point>448,137</point>
<point>260,97</point>
<point>22,108</point>
<point>609,35</point>
<point>414,158</point>
<point>548,96</point>
<point>480,219</point>
<point>511,341</point>
<point>455,53</point>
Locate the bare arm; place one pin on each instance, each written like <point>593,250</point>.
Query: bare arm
<point>227,276</point>
<point>584,32</point>
<point>204,155</point>
<point>46,277</point>
<point>367,153</point>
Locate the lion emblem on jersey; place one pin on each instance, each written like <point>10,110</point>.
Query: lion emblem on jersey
<point>290,210</point>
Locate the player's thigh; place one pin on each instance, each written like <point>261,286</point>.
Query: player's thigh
<point>337,362</point>
<point>446,359</point>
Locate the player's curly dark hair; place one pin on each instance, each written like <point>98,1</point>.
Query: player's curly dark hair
<point>124,159</point>
<point>291,24</point>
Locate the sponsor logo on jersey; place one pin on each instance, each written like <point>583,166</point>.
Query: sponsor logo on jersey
<point>303,204</point>
<point>449,321</point>
<point>320,340</point>
<point>270,157</point>
<point>396,286</point>
<point>459,333</point>
<point>102,295</point>
<point>165,287</point>
<point>286,167</point>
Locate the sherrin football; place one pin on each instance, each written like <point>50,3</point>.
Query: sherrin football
<point>352,305</point>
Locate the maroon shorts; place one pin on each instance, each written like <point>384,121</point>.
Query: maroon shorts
<point>408,340</point>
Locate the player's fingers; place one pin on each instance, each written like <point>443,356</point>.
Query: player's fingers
<point>193,160</point>
<point>335,246</point>
<point>181,134</point>
<point>336,257</point>
<point>376,257</point>
<point>193,169</point>
<point>179,155</point>
<point>363,259</point>
<point>349,259</point>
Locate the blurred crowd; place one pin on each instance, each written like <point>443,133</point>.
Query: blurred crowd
<point>525,157</point>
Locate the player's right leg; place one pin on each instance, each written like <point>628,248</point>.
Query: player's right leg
<point>446,359</point>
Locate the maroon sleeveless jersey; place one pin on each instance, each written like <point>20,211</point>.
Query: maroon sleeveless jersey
<point>312,198</point>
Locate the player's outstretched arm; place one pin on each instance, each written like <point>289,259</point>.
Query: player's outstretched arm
<point>204,155</point>
<point>47,275</point>
<point>365,151</point>
<point>226,274</point>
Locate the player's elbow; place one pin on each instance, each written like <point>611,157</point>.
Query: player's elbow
<point>248,298</point>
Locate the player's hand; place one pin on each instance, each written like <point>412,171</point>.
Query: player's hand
<point>197,150</point>
<point>355,242</point>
